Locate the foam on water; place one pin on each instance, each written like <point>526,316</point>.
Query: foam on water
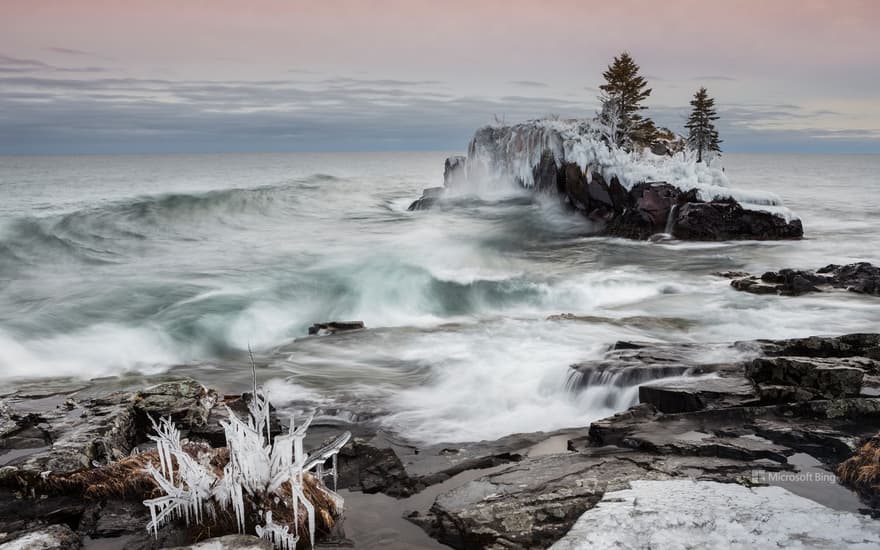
<point>145,264</point>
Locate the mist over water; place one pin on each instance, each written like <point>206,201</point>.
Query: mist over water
<point>128,265</point>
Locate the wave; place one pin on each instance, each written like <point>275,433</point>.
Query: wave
<point>104,233</point>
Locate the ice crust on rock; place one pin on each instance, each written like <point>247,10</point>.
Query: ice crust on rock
<point>509,155</point>
<point>686,514</point>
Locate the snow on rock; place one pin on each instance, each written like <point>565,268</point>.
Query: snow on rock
<point>53,537</point>
<point>509,154</point>
<point>230,542</point>
<point>681,514</point>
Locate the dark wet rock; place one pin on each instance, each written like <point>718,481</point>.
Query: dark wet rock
<point>633,363</point>
<point>721,221</point>
<point>529,505</point>
<point>429,197</point>
<point>454,171</point>
<point>846,346</point>
<point>187,402</point>
<point>211,430</point>
<point>545,173</point>
<point>385,464</point>
<point>694,394</point>
<point>52,537</point>
<point>731,274</point>
<point>861,278</point>
<point>372,469</point>
<point>19,514</point>
<point>646,211</point>
<point>575,187</point>
<point>809,378</point>
<point>334,327</point>
<point>79,434</point>
<point>600,194</point>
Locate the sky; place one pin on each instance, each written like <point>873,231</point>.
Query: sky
<point>110,76</point>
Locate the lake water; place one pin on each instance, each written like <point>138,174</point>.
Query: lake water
<point>142,266</point>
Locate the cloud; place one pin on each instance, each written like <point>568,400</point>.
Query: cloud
<point>529,83</point>
<point>26,63</point>
<point>69,51</point>
<point>66,114</point>
<point>17,65</point>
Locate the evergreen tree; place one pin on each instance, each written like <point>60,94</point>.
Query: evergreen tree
<point>702,135</point>
<point>622,96</point>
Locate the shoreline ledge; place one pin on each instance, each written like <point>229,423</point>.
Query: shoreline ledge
<point>785,413</point>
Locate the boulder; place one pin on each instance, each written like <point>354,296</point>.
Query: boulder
<point>720,221</point>
<point>861,278</point>
<point>187,402</point>
<point>808,378</point>
<point>335,327</point>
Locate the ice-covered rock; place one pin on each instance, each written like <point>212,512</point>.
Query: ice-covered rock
<point>634,194</point>
<point>705,514</point>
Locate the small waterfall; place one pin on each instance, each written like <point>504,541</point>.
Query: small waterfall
<point>670,220</point>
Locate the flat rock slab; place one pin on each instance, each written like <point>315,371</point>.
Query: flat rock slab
<point>694,394</point>
<point>230,542</point>
<point>527,505</point>
<point>53,537</point>
<point>684,514</point>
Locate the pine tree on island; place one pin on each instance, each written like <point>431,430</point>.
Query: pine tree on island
<point>621,100</point>
<point>702,135</point>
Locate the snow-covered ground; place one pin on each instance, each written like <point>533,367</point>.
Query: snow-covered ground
<point>694,515</point>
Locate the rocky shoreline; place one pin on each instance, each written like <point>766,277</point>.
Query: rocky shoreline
<point>784,409</point>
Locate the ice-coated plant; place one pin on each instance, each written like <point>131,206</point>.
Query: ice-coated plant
<point>261,473</point>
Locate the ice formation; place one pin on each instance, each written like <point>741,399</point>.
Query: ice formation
<point>506,154</point>
<point>256,471</point>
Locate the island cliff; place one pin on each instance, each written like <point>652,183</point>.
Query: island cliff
<point>634,195</point>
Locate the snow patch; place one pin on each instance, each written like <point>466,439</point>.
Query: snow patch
<point>695,515</point>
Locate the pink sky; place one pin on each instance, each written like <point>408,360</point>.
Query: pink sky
<point>821,56</point>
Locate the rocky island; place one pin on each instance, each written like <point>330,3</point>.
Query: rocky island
<point>635,195</point>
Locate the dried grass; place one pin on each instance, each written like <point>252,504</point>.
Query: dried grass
<point>127,479</point>
<point>862,470</point>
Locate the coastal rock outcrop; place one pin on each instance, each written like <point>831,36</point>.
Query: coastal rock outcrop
<point>772,408</point>
<point>861,278</point>
<point>715,425</point>
<point>630,195</point>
